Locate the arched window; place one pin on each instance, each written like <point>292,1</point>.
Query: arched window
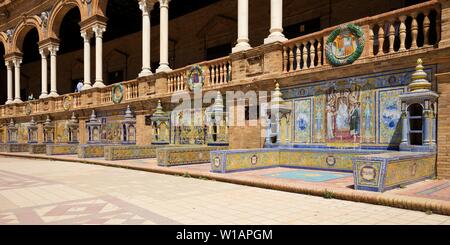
<point>415,124</point>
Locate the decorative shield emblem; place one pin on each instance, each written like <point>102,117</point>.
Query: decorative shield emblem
<point>345,45</point>
<point>196,77</point>
<point>331,161</point>
<point>117,93</point>
<point>217,161</point>
<point>368,173</point>
<point>254,160</point>
<point>67,102</point>
<point>28,109</point>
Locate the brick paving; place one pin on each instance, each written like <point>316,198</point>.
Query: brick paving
<point>53,192</point>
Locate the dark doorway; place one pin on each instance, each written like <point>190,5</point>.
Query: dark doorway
<point>302,28</point>
<point>218,51</point>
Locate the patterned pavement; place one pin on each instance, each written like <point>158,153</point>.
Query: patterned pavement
<point>52,192</point>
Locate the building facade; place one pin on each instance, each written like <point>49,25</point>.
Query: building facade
<point>341,71</point>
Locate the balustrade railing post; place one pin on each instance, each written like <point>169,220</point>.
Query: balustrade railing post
<point>312,51</point>
<point>372,40</point>
<point>319,53</point>
<point>426,28</point>
<point>305,56</point>
<point>381,38</point>
<point>414,31</point>
<point>391,35</point>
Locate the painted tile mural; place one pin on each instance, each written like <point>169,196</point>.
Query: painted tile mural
<point>350,111</point>
<point>111,131</point>
<point>319,118</point>
<point>389,116</point>
<point>368,116</point>
<point>302,114</point>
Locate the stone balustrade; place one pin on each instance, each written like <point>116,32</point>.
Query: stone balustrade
<point>405,29</point>
<point>218,72</point>
<point>413,29</point>
<point>176,80</point>
<point>304,53</point>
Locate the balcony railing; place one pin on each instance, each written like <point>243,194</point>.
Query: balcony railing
<point>216,72</point>
<point>409,30</point>
<point>412,28</point>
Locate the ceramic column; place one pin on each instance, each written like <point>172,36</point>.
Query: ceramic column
<point>427,123</point>
<point>17,62</point>
<point>434,124</point>
<point>242,41</point>
<point>278,128</point>
<point>87,35</point>
<point>276,22</point>
<point>9,82</point>
<point>405,129</point>
<point>164,37</point>
<point>146,7</point>
<point>99,30</point>
<point>44,75</point>
<point>53,50</point>
<point>287,130</point>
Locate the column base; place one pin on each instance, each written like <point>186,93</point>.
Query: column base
<point>242,46</point>
<point>98,84</point>
<point>43,96</point>
<point>53,94</point>
<point>86,87</point>
<point>145,73</point>
<point>163,68</point>
<point>275,37</point>
<point>9,101</point>
<point>17,100</point>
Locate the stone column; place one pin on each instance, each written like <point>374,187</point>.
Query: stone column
<point>287,130</point>
<point>277,127</point>
<point>242,41</point>
<point>427,120</point>
<point>405,129</point>
<point>53,49</point>
<point>434,124</point>
<point>164,37</point>
<point>146,7</point>
<point>276,22</point>
<point>9,82</point>
<point>17,62</point>
<point>268,130</point>
<point>99,30</point>
<point>44,75</point>
<point>87,35</point>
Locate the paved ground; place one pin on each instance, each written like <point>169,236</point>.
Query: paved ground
<point>46,192</point>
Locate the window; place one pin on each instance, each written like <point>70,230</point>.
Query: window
<point>115,77</point>
<point>415,124</point>
<point>302,28</point>
<point>218,51</point>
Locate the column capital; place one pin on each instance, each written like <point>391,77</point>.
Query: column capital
<point>86,35</point>
<point>99,29</point>
<point>53,49</point>
<point>43,52</point>
<point>146,6</point>
<point>164,3</point>
<point>8,64</point>
<point>17,61</point>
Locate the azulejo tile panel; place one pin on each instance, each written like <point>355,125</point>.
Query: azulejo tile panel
<point>239,160</point>
<point>185,155</point>
<point>130,152</point>
<point>62,149</point>
<point>90,151</point>
<point>403,171</point>
<point>384,172</point>
<point>354,110</point>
